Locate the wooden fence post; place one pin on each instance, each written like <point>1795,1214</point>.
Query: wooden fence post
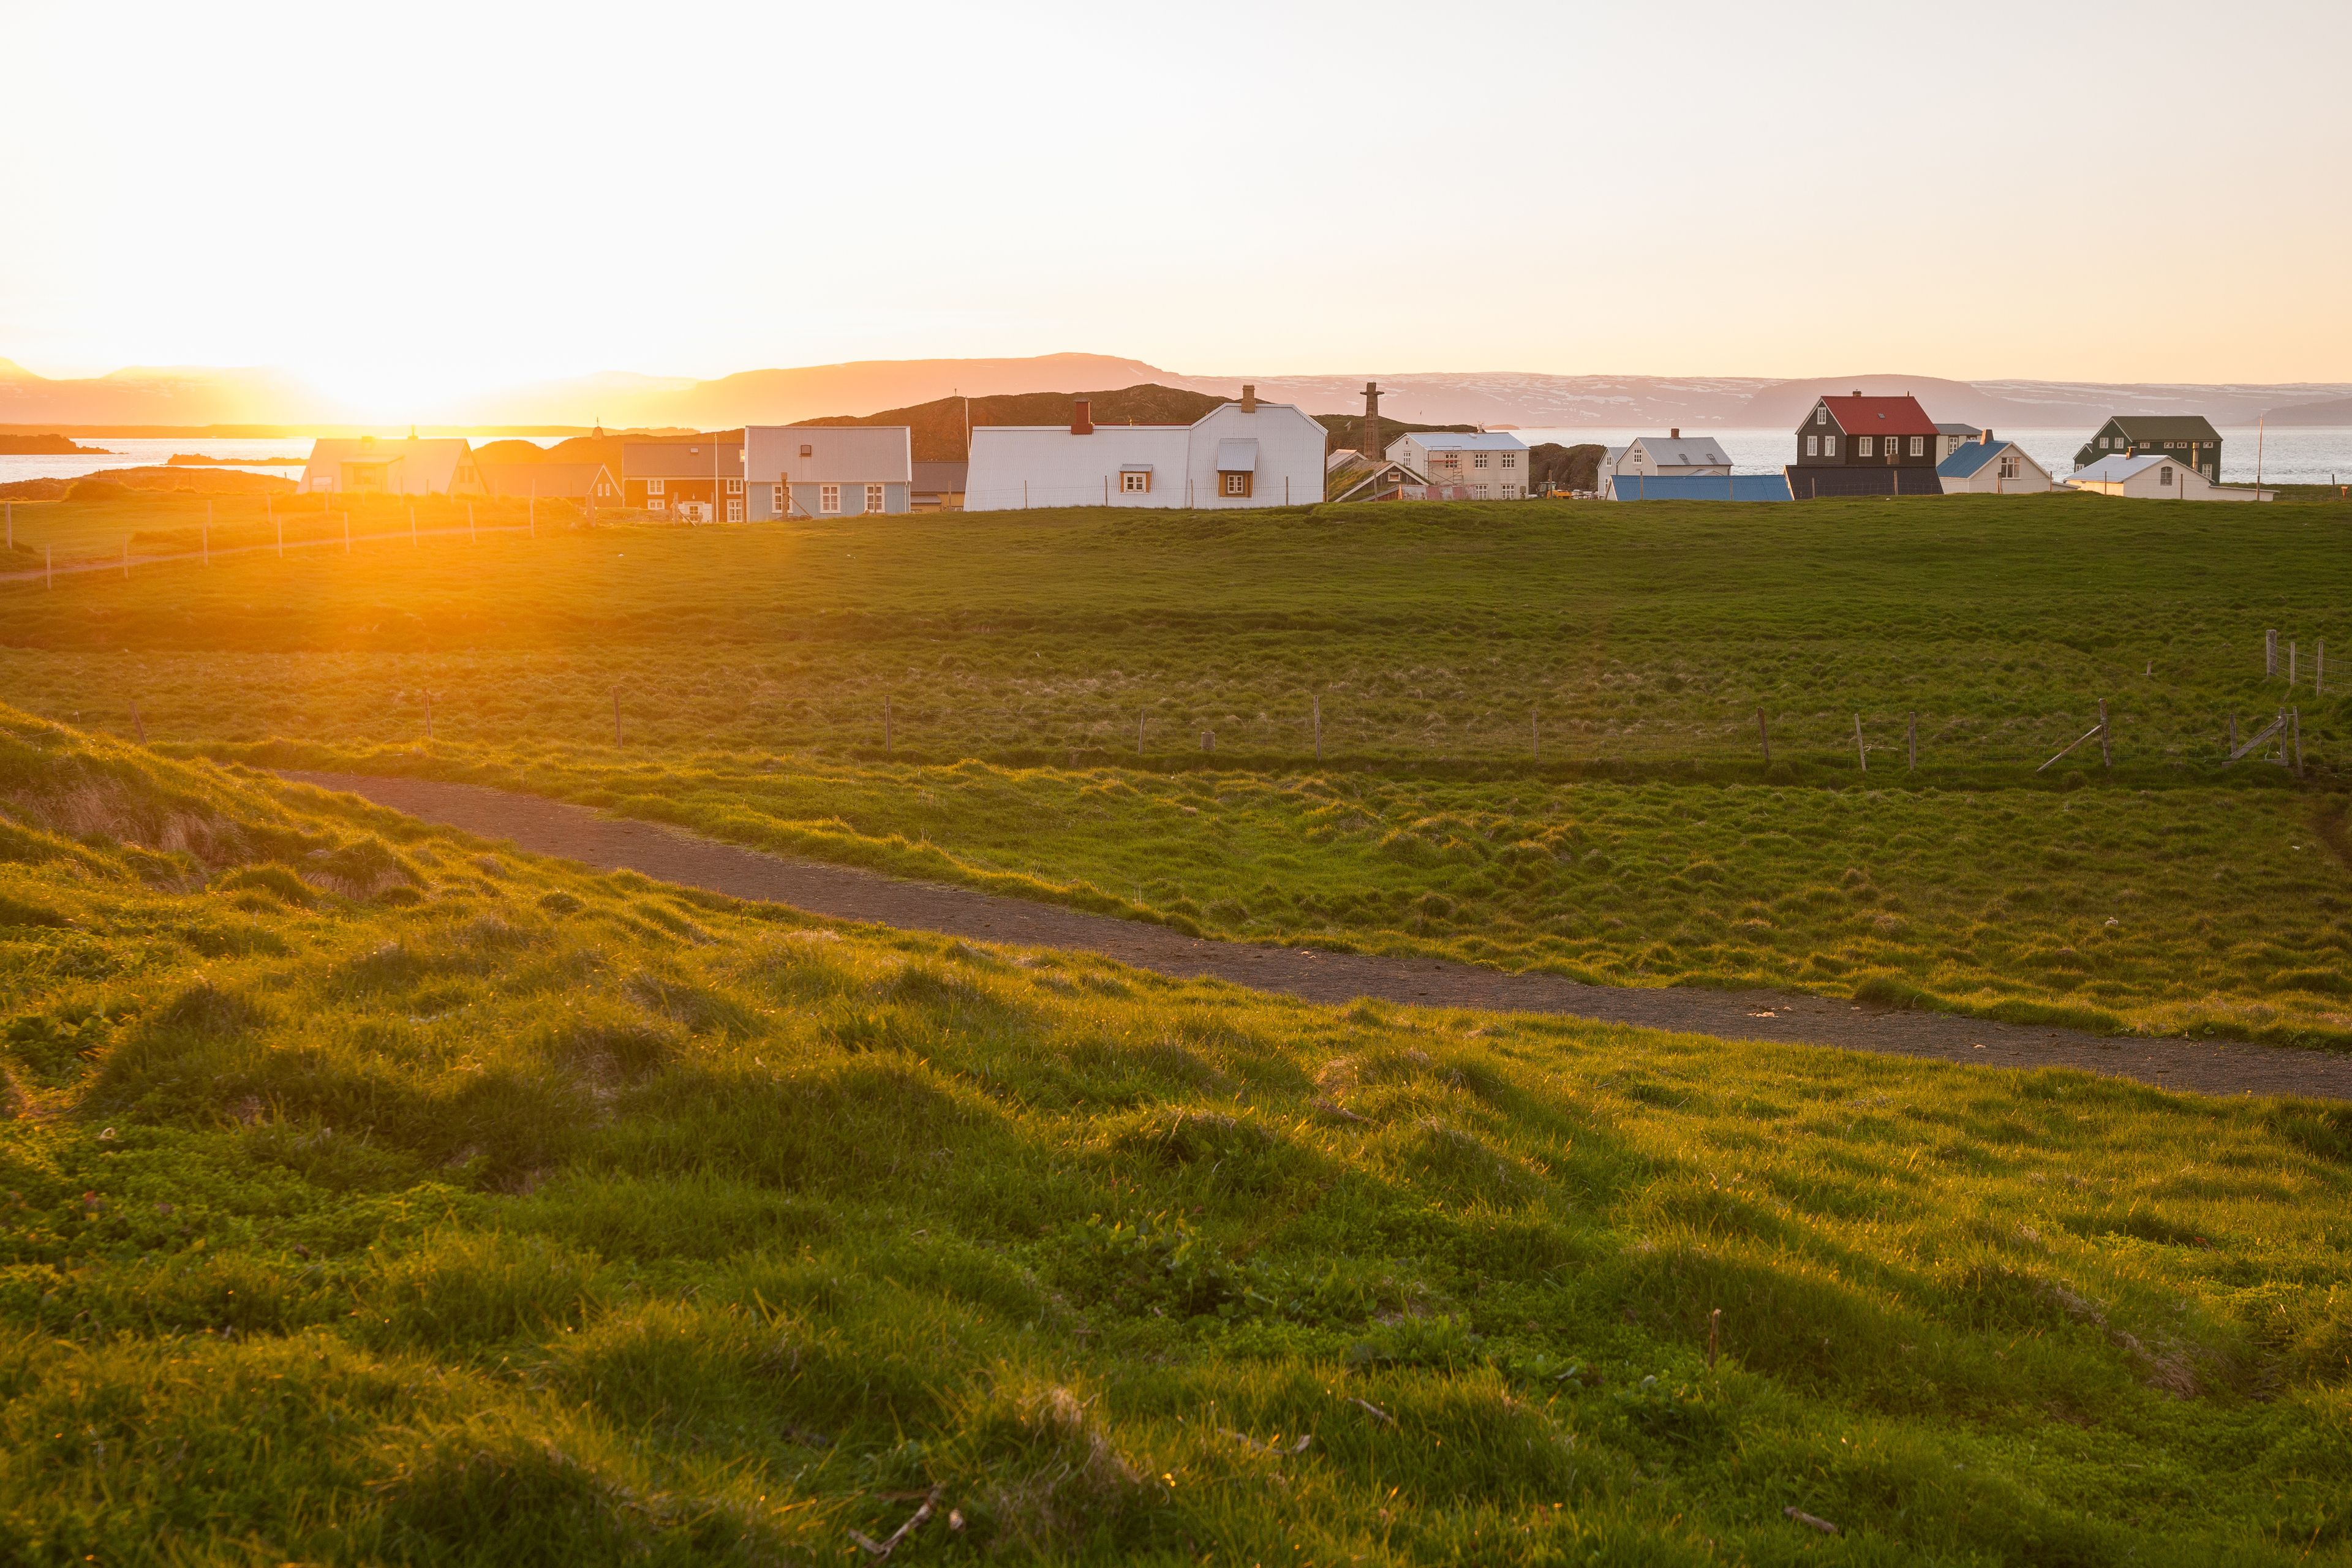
<point>138,727</point>
<point>2289,661</point>
<point>428,714</point>
<point>2106,751</point>
<point>2294,729</point>
<point>1911,739</point>
<point>1208,740</point>
<point>2270,652</point>
<point>1138,731</point>
<point>616,716</point>
<point>1859,749</point>
<point>1764,736</point>
<point>2234,734</point>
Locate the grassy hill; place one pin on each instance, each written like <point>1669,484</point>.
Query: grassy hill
<point>372,1197</point>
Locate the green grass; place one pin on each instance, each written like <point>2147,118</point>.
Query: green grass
<point>372,1197</point>
<point>2181,911</point>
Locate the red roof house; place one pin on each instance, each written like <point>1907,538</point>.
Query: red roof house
<point>1865,445</point>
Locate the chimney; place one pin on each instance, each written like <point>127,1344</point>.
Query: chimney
<point>1370,447</point>
<point>1857,392</point>
<point>1082,417</point>
<point>1988,437</point>
<point>1249,398</point>
<point>1676,434</point>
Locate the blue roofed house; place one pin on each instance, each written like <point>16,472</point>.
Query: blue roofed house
<point>1987,466</point>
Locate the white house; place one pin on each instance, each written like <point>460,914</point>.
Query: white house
<point>1950,437</point>
<point>2154,476</point>
<point>1674,453</point>
<point>1244,454</point>
<point>1488,465</point>
<point>441,467</point>
<point>828,471</point>
<point>1986,467</point>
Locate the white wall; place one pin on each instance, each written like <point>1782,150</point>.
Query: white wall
<point>1502,481</point>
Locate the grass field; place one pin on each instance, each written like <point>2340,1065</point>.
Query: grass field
<point>372,1198</point>
<point>1647,842</point>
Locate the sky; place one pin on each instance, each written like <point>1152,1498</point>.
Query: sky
<point>429,199</point>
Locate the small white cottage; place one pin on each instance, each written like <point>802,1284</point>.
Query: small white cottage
<point>2154,476</point>
<point>1986,467</point>
<point>1244,454</point>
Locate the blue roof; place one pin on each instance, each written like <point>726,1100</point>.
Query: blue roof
<point>1968,458</point>
<point>1702,487</point>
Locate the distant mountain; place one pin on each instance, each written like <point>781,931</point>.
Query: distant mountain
<point>2329,411</point>
<point>183,397</point>
<point>936,428</point>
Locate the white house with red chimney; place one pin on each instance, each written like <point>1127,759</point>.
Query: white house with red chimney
<point>1244,454</point>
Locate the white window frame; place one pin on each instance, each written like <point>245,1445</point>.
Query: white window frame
<point>828,500</point>
<point>1510,459</point>
<point>653,487</point>
<point>735,509</point>
<point>734,487</point>
<point>1866,447</point>
<point>1918,446</point>
<point>1820,413</point>
<point>1829,446</point>
<point>2164,474</point>
<point>1477,459</point>
<point>1812,446</point>
<point>875,498</point>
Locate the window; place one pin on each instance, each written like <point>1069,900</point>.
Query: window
<point>1820,413</point>
<point>734,487</point>
<point>2009,467</point>
<point>2163,475</point>
<point>1234,484</point>
<point>1478,459</point>
<point>873,498</point>
<point>1479,491</point>
<point>1510,459</point>
<point>1863,446</point>
<point>734,512</point>
<point>1829,446</point>
<point>653,486</point>
<point>1918,445</point>
<point>1134,484</point>
<point>1812,446</point>
<point>828,498</point>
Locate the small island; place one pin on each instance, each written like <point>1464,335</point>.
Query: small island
<point>198,459</point>
<point>47,446</point>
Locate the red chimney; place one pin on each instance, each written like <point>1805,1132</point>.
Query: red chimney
<point>1676,434</point>
<point>1082,417</point>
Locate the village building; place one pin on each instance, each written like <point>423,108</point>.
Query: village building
<point>1725,485</point>
<point>2188,438</point>
<point>580,482</point>
<point>442,466</point>
<point>1987,466</point>
<point>829,470</point>
<point>1950,438</point>
<point>1348,475</point>
<point>1652,456</point>
<point>1243,453</point>
<point>700,481</point>
<point>1486,465</point>
<point>2154,476</point>
<point>939,486</point>
<point>1858,446</point>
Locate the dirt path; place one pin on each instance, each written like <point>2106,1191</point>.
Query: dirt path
<point>609,843</point>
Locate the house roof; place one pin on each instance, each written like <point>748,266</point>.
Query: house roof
<point>2112,470</point>
<point>2165,426</point>
<point>1453,441</point>
<point>1944,428</point>
<point>1967,459</point>
<point>1685,451</point>
<point>556,481</point>
<point>1880,417</point>
<point>436,456</point>
<point>681,459</point>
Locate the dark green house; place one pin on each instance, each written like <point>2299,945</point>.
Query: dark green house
<point>2187,438</point>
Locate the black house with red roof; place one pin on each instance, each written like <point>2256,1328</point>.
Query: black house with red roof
<point>1861,446</point>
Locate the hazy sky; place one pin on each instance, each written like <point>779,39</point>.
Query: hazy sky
<point>426,197</point>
